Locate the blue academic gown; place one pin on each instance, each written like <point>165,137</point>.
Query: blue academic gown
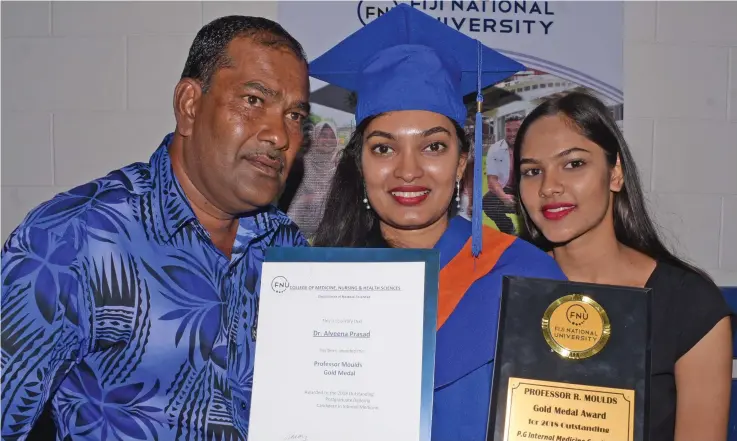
<point>467,320</point>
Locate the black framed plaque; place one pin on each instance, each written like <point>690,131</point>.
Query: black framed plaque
<point>572,362</point>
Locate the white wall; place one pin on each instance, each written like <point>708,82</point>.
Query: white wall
<point>681,120</point>
<point>86,88</point>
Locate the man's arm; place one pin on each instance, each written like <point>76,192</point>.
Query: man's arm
<point>45,322</point>
<point>498,190</point>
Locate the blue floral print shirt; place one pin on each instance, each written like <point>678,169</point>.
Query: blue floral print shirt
<point>117,306</point>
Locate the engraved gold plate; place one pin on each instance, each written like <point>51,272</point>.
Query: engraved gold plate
<point>549,410</point>
<point>576,326</point>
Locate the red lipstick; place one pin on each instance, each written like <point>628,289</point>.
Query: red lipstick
<point>409,195</point>
<point>557,211</point>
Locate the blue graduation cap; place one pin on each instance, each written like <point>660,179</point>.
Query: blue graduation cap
<point>407,60</point>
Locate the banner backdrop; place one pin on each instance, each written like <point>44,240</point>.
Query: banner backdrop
<point>565,46</point>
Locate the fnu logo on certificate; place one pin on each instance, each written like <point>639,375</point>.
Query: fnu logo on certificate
<point>279,284</point>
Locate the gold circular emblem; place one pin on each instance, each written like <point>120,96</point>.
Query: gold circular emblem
<point>576,326</point>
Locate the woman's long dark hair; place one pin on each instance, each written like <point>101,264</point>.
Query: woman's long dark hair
<point>632,224</point>
<point>346,222</point>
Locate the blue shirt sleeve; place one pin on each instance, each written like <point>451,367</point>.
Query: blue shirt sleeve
<point>526,260</point>
<point>45,321</point>
<point>289,235</point>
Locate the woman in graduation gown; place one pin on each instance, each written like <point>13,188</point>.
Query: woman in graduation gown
<point>397,183</point>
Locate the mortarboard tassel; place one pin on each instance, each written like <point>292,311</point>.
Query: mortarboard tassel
<point>477,213</point>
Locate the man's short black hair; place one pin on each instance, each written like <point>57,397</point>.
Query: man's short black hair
<point>208,52</point>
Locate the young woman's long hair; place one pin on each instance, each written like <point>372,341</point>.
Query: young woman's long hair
<point>346,221</point>
<point>632,224</point>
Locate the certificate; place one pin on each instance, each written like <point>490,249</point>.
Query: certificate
<point>346,345</point>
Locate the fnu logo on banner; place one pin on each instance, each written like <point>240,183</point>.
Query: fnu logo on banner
<point>368,11</point>
<point>472,16</point>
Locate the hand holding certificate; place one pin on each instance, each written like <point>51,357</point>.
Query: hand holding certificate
<point>345,346</point>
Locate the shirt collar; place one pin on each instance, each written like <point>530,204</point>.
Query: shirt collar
<point>170,207</point>
<point>172,211</point>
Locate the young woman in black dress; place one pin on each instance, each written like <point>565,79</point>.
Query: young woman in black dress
<point>580,199</point>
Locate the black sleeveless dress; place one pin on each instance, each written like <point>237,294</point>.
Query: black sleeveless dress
<point>686,306</point>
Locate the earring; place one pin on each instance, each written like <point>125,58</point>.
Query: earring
<point>458,193</point>
<point>365,199</point>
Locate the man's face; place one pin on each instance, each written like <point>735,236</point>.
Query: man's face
<point>247,127</point>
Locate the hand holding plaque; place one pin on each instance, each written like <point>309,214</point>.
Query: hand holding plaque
<point>572,364</point>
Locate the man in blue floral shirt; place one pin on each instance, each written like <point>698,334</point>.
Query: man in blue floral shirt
<point>130,302</point>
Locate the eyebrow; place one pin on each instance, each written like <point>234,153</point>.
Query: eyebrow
<point>381,134</point>
<point>435,130</point>
<point>559,155</point>
<point>261,88</point>
<point>302,105</point>
<point>426,133</point>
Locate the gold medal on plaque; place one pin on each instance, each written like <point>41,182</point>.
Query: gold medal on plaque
<point>576,326</point>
